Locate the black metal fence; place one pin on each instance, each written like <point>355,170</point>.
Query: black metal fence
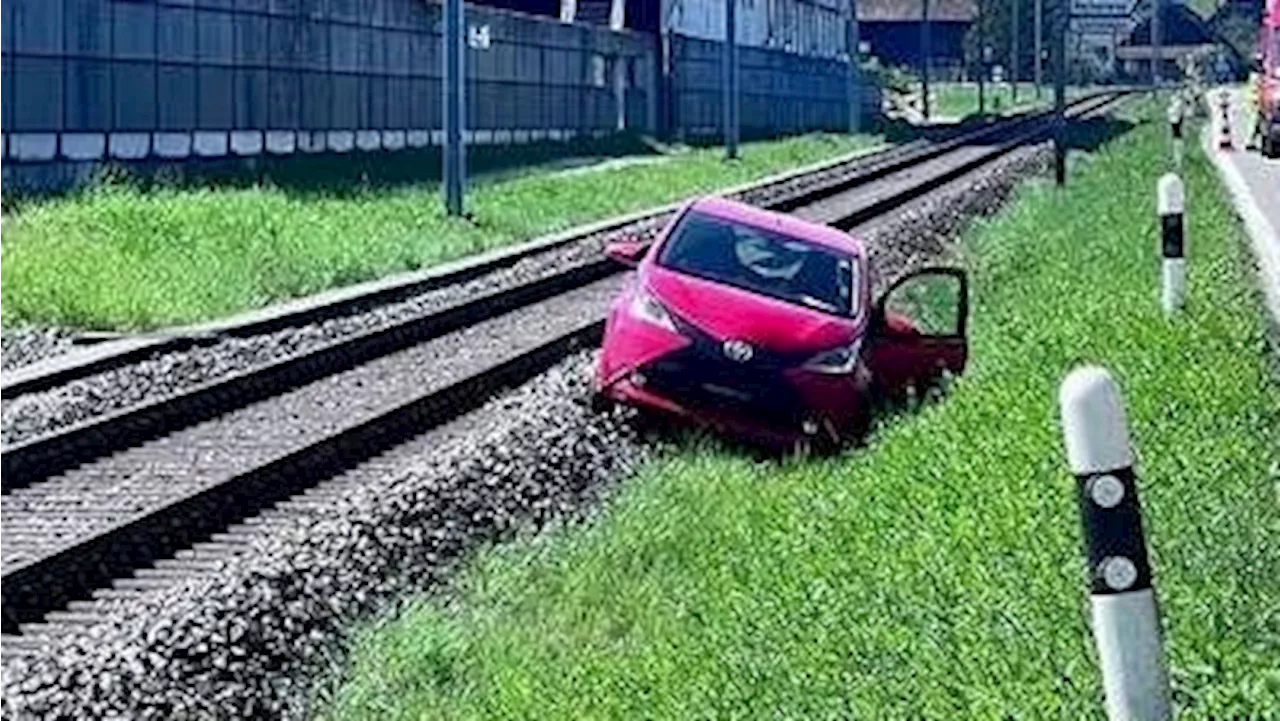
<point>781,92</point>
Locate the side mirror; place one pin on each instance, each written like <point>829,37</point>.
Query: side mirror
<point>628,252</point>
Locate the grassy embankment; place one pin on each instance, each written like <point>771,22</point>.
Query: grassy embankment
<point>956,100</point>
<point>938,572</point>
<point>116,256</point>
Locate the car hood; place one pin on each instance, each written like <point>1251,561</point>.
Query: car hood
<point>726,312</point>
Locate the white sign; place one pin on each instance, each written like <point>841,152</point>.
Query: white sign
<point>478,37</point>
<point>1102,7</point>
<point>1100,26</point>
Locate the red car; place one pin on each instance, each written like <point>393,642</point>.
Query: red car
<point>761,324</point>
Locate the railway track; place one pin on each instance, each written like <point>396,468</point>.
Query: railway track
<point>141,498</point>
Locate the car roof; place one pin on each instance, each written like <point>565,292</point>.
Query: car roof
<point>817,233</point>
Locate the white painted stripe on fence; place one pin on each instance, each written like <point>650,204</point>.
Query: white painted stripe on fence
<point>34,146</point>
<point>368,139</point>
<point>83,146</point>
<point>393,139</point>
<point>282,142</point>
<point>129,146</point>
<point>482,137</point>
<point>418,138</point>
<point>520,136</point>
<point>4,145</point>
<point>209,143</point>
<point>537,134</point>
<point>311,142</point>
<point>246,142</point>
<point>341,141</point>
<point>502,136</point>
<point>437,137</point>
<point>171,145</point>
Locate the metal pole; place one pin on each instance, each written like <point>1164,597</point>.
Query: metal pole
<point>926,49</point>
<point>1126,620</point>
<point>731,79</point>
<point>455,165</point>
<point>982,60</point>
<point>1039,48</point>
<point>855,71</point>
<point>1155,43</point>
<point>1060,94</point>
<point>1013,60</point>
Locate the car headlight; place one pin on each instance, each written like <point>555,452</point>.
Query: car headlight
<point>837,361</point>
<point>647,308</point>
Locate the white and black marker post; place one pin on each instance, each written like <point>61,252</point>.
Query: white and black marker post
<point>1126,623</point>
<point>1170,203</point>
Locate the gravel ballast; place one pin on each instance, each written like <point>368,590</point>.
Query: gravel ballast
<point>28,344</point>
<point>249,640</point>
<point>238,643</point>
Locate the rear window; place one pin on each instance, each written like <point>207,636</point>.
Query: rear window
<point>764,262</point>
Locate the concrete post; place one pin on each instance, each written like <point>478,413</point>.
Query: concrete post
<point>1126,621</point>
<point>1170,204</point>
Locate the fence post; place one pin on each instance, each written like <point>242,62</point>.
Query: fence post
<point>1126,621</point>
<point>1170,203</point>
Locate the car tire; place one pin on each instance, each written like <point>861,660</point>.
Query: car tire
<point>1269,149</point>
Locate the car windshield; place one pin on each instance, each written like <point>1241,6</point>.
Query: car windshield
<point>764,262</point>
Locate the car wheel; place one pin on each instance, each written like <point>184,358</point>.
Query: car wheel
<point>1269,149</point>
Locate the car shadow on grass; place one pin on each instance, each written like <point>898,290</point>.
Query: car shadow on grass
<point>662,429</point>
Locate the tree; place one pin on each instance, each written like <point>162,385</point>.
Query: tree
<point>995,28</point>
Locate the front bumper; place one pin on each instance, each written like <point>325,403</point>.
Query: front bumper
<point>773,405</point>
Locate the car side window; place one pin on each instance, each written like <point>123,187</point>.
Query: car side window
<point>932,302</point>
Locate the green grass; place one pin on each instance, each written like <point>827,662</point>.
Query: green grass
<point>117,256</point>
<point>961,99</point>
<point>937,573</point>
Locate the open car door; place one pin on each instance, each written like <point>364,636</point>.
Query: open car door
<point>918,329</point>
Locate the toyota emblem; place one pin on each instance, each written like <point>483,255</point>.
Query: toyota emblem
<point>738,351</point>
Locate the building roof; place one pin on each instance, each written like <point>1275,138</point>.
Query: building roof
<point>965,11</point>
<point>1178,26</point>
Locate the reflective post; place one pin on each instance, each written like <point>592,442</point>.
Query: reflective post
<point>1170,205</point>
<point>1126,621</point>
